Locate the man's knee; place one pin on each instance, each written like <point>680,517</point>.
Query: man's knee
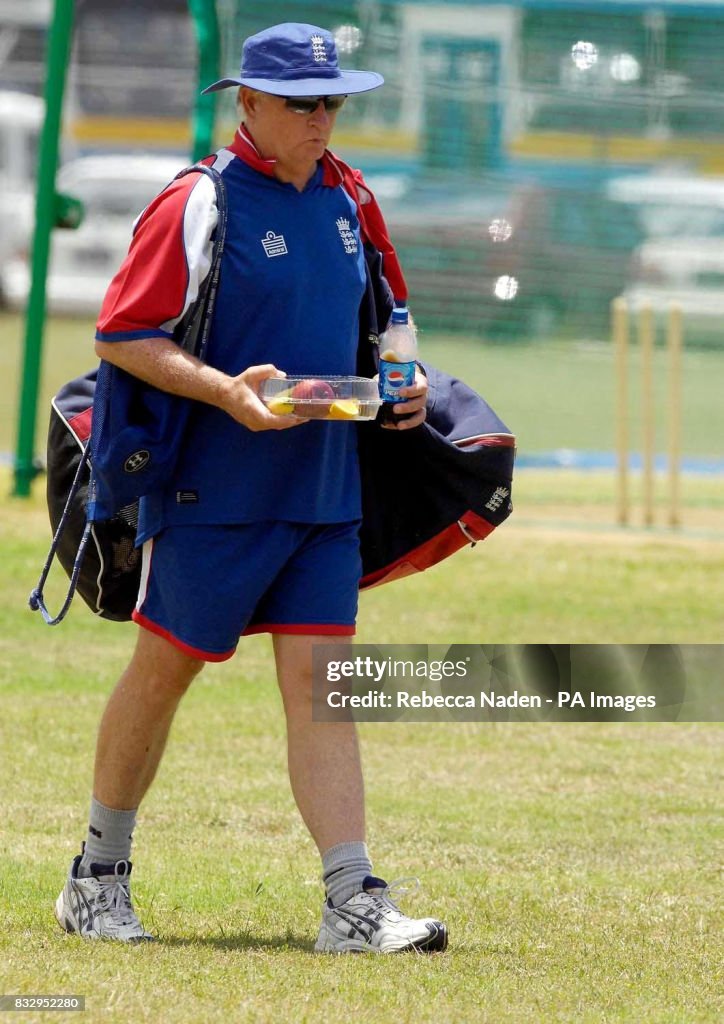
<point>295,670</point>
<point>163,665</point>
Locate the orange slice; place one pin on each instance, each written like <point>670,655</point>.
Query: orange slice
<point>281,404</point>
<point>343,409</point>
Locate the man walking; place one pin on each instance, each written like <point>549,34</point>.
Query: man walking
<point>257,531</point>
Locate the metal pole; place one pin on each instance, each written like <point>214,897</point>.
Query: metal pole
<point>675,339</point>
<point>619,330</point>
<point>648,454</point>
<point>206,26</point>
<point>58,55</point>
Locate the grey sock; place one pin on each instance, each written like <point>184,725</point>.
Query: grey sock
<point>109,837</point>
<point>345,868</point>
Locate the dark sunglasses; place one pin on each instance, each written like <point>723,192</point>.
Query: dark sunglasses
<point>308,104</point>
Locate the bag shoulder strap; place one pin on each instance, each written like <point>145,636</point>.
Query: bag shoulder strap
<point>193,332</point>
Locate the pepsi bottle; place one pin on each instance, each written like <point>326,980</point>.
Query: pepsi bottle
<point>398,358</point>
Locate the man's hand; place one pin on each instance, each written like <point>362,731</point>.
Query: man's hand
<point>417,394</point>
<point>241,400</point>
<point>160,362</point>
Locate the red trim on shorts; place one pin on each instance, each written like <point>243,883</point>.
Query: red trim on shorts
<point>191,652</point>
<point>300,629</point>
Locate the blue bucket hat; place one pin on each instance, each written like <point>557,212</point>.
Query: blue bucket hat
<point>296,60</point>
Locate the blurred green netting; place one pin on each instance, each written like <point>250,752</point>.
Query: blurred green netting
<point>533,159</point>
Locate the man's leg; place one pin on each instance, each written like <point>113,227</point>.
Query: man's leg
<point>136,722</point>
<point>131,739</point>
<point>326,778</point>
<point>324,771</point>
<point>324,761</point>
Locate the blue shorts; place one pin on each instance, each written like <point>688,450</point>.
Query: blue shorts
<point>202,587</point>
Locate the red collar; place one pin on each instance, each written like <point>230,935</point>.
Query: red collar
<point>243,147</point>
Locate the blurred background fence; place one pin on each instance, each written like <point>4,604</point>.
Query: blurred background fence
<point>534,159</point>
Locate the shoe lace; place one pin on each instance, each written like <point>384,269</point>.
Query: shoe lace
<point>114,896</point>
<point>395,890</point>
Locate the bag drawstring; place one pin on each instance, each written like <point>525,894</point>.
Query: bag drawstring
<point>36,599</point>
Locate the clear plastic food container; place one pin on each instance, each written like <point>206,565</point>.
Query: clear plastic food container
<point>322,398</point>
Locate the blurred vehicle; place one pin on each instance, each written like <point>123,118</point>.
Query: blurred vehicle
<point>673,205</point>
<point>21,117</point>
<point>512,258</point>
<point>114,189</point>
<point>688,273</point>
<point>682,260</point>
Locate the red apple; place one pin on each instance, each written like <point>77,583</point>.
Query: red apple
<point>313,398</point>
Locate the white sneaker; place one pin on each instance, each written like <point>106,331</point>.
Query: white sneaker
<point>99,907</point>
<point>371,923</point>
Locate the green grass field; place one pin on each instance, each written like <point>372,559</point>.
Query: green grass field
<point>575,864</point>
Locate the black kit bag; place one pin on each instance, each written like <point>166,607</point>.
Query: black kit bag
<point>100,557</point>
<point>429,491</point>
<point>432,490</point>
<point>111,439</point>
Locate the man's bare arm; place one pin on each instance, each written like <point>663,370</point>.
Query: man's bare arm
<point>160,362</point>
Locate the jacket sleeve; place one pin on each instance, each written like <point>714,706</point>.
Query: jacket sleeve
<point>167,262</point>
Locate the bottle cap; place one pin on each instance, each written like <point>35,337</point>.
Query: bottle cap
<point>400,315</point>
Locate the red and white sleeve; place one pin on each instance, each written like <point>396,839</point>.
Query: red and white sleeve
<point>167,262</point>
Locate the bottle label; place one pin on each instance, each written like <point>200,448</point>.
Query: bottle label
<point>394,376</point>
